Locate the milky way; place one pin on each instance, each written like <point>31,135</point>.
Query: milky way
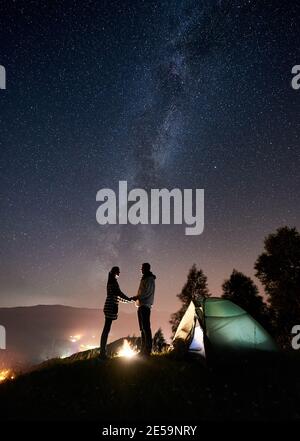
<point>185,94</point>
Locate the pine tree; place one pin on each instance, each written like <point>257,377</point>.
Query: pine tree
<point>241,290</point>
<point>159,342</point>
<point>194,289</point>
<point>278,269</point>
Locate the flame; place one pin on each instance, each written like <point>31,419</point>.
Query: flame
<point>126,350</point>
<point>6,374</point>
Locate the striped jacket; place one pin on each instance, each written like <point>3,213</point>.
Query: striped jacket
<point>114,296</point>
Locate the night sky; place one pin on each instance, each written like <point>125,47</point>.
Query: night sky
<point>184,94</point>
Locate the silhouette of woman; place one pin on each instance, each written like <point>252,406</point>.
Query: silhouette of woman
<point>111,306</point>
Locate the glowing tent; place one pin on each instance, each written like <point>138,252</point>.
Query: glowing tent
<point>217,326</point>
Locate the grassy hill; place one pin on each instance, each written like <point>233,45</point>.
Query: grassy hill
<point>157,389</point>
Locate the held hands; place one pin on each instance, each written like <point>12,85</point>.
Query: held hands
<point>134,300</point>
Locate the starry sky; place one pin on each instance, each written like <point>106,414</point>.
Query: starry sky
<point>186,94</point>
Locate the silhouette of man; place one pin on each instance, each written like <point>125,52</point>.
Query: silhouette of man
<point>144,301</point>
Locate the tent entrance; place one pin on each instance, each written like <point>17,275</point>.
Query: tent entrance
<point>197,343</point>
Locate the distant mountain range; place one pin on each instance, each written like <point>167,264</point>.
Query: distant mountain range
<point>38,333</point>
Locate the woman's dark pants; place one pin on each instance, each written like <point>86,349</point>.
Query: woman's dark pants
<point>104,336</point>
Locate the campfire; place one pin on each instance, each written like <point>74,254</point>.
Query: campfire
<point>126,350</point>
<point>6,374</point>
